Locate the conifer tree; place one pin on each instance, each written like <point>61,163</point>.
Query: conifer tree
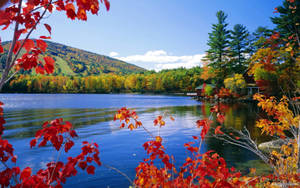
<point>218,45</point>
<point>260,36</point>
<point>218,41</point>
<point>239,44</point>
<point>288,21</point>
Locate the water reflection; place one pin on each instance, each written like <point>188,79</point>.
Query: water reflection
<point>123,148</point>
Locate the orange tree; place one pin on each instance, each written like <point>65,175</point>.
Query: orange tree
<point>276,65</point>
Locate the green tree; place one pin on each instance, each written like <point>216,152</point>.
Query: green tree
<point>288,21</point>
<point>239,48</point>
<point>218,41</point>
<point>288,26</point>
<point>259,37</point>
<point>218,45</point>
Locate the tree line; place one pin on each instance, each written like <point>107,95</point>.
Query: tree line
<point>232,53</point>
<point>267,57</point>
<point>166,81</point>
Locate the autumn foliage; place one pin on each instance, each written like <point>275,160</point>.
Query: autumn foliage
<point>60,135</point>
<point>157,170</point>
<point>199,169</point>
<point>206,169</point>
<point>27,16</point>
<point>209,169</point>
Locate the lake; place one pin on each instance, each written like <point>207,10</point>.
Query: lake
<point>92,117</point>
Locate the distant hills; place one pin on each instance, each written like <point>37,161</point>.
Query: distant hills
<point>77,62</point>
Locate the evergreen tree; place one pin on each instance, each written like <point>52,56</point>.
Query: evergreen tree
<point>239,48</point>
<point>288,21</point>
<point>260,35</point>
<point>288,25</point>
<point>218,41</point>
<point>218,45</point>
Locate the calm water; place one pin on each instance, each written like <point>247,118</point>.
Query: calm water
<point>92,114</point>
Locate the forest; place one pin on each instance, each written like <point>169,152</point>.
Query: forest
<point>166,81</point>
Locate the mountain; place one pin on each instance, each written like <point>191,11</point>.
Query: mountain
<point>77,62</point>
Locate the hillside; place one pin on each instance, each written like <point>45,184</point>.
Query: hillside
<point>73,61</point>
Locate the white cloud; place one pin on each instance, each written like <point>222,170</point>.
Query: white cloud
<point>113,54</point>
<point>160,59</point>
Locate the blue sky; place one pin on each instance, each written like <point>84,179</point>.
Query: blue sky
<point>155,34</point>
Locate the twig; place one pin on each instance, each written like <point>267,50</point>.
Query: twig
<point>122,173</point>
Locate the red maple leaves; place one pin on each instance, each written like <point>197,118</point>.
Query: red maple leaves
<point>54,132</point>
<point>30,59</point>
<point>60,135</point>
<point>199,169</point>
<point>28,16</point>
<point>205,124</point>
<point>128,117</point>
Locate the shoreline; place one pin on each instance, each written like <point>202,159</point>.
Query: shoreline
<point>226,100</point>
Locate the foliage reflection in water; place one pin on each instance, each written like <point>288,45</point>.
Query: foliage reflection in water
<point>123,148</point>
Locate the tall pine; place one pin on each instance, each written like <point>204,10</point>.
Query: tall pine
<point>260,36</point>
<point>288,21</point>
<point>239,48</point>
<point>218,46</point>
<point>288,25</point>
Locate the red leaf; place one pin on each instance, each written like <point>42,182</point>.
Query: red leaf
<point>43,143</point>
<point>69,145</point>
<point>26,173</point>
<point>122,125</point>
<point>19,32</point>
<point>41,44</point>
<point>205,124</point>
<point>40,70</point>
<point>85,142</point>
<point>48,27</point>
<point>90,169</point>
<point>4,19</point>
<point>82,164</point>
<point>17,46</point>
<point>89,159</point>
<point>81,14</point>
<point>73,133</point>
<point>44,37</point>
<point>49,64</point>
<point>107,4</point>
<point>33,143</point>
<point>14,159</point>
<point>218,130</point>
<point>70,10</point>
<point>1,48</point>
<point>220,118</point>
<point>29,44</point>
<point>45,124</point>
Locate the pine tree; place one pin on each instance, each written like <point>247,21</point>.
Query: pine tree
<point>288,21</point>
<point>218,46</point>
<point>288,25</point>
<point>239,48</point>
<point>260,35</point>
<point>218,41</point>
